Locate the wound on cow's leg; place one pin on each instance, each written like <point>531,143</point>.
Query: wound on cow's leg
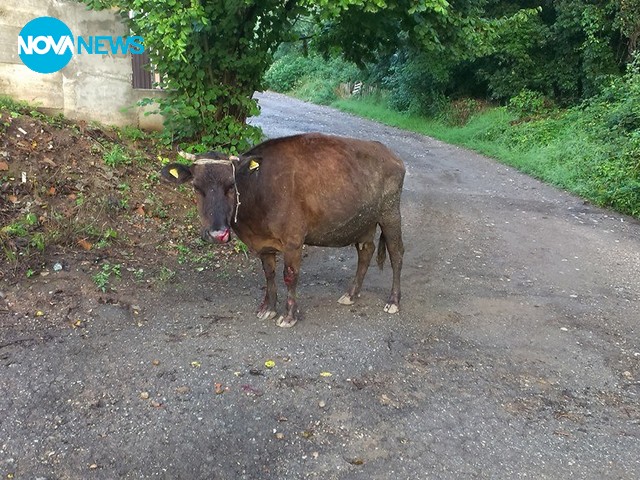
<point>289,276</point>
<point>291,271</point>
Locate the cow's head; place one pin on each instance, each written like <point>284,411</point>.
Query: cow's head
<point>212,179</point>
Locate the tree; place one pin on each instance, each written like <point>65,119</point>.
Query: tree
<point>415,50</point>
<point>212,54</point>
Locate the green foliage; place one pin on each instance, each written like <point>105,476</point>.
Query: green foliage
<point>116,156</point>
<point>105,275</point>
<point>527,103</point>
<point>166,274</point>
<point>20,236</point>
<point>132,133</point>
<point>311,78</point>
<point>592,150</point>
<point>240,247</point>
<point>211,56</point>
<point>415,83</point>
<point>287,72</point>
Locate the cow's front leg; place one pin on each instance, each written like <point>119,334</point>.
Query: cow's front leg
<point>267,309</point>
<point>292,259</point>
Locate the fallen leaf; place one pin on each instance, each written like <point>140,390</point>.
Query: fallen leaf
<point>355,461</point>
<point>280,436</point>
<point>84,244</point>
<point>155,404</point>
<point>269,364</point>
<point>52,191</point>
<point>144,395</point>
<point>182,390</point>
<point>219,388</point>
<point>155,363</point>
<point>326,374</point>
<point>140,210</point>
<point>12,198</point>
<point>93,466</point>
<point>4,166</point>
<point>196,364</point>
<point>39,313</point>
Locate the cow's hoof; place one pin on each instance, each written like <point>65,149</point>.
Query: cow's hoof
<point>286,322</point>
<point>391,308</point>
<point>266,314</point>
<point>345,300</point>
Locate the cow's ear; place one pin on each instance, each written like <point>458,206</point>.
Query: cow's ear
<point>176,173</point>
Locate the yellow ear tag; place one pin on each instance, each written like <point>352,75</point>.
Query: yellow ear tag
<point>253,165</point>
<point>174,172</point>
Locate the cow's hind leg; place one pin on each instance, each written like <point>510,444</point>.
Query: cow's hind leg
<point>392,233</point>
<point>267,309</point>
<point>365,253</point>
<point>292,260</point>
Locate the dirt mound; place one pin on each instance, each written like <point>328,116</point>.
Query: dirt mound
<point>87,201</point>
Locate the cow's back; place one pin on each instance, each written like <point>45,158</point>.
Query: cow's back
<point>329,189</point>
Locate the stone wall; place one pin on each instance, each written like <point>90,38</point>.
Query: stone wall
<point>90,87</point>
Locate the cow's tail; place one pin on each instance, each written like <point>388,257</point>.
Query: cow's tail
<point>382,251</point>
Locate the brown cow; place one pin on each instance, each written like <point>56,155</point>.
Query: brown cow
<point>309,189</point>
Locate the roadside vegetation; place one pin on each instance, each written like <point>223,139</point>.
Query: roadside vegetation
<point>592,149</point>
<point>88,197</point>
<point>552,88</point>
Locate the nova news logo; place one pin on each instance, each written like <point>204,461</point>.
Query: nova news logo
<point>46,45</point>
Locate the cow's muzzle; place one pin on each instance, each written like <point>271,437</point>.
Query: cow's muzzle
<point>219,236</point>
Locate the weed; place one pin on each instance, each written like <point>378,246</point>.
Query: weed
<point>166,274</point>
<point>184,253</point>
<point>103,278</point>
<point>132,133</point>
<point>240,247</point>
<point>138,275</point>
<point>38,241</point>
<point>117,156</point>
<point>105,238</point>
<point>191,215</point>
<point>153,178</point>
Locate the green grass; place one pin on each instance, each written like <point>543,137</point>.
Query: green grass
<point>564,148</point>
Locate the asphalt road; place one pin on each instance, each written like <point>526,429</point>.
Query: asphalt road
<point>516,353</point>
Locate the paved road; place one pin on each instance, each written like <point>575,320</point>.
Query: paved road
<point>536,295</point>
<point>516,354</point>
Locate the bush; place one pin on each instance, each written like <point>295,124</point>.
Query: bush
<point>311,78</point>
<point>416,83</point>
<point>528,103</point>
<point>286,72</point>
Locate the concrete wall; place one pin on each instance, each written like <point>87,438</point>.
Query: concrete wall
<point>90,87</point>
